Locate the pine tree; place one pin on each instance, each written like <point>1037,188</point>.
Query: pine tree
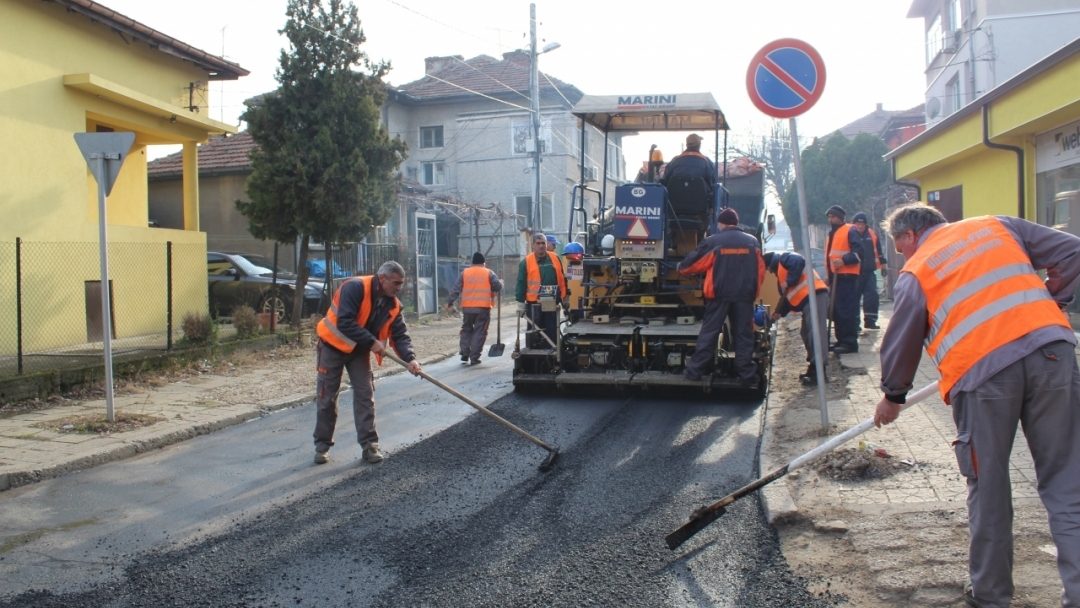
<point>323,165</point>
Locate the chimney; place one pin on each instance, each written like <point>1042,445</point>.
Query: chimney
<point>520,58</point>
<point>434,65</point>
<point>879,109</point>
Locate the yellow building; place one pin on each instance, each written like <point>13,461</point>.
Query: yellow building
<point>1013,151</point>
<point>71,66</point>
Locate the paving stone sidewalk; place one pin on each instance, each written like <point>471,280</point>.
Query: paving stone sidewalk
<point>186,408</point>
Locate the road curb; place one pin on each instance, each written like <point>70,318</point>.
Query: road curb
<point>128,449</point>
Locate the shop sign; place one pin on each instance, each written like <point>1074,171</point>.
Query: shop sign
<point>1058,148</point>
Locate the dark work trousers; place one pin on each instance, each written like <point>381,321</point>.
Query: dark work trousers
<point>806,331</point>
<point>1042,393</point>
<point>474,328</point>
<point>846,311</point>
<point>330,364</point>
<point>741,315</point>
<point>869,294</point>
<point>546,321</point>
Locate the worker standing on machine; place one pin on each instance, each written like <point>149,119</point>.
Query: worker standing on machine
<point>734,272</point>
<point>541,287</point>
<point>843,268</point>
<point>790,271</point>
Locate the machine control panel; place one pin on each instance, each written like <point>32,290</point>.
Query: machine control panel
<point>639,250</point>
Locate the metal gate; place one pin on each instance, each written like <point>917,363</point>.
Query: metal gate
<point>427,283</point>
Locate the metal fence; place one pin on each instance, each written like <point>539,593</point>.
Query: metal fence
<point>50,300</point>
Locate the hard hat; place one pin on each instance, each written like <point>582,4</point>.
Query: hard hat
<point>574,251</point>
<point>608,242</point>
<point>759,316</point>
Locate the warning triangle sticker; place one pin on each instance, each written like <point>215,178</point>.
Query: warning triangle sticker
<point>638,230</point>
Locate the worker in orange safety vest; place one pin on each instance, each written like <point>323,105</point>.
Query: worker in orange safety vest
<point>364,314</point>
<point>844,263</point>
<point>790,271</point>
<point>971,294</point>
<point>476,286</point>
<point>540,271</point>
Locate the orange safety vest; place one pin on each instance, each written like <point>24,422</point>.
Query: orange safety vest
<point>873,239</point>
<point>328,330</point>
<point>795,295</point>
<point>840,247</point>
<point>476,288</point>
<point>532,276</point>
<point>981,293</point>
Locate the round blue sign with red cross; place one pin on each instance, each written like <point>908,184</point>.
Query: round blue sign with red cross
<point>786,78</point>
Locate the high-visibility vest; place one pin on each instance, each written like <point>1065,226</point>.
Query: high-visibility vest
<point>476,288</point>
<point>981,293</point>
<point>795,295</point>
<point>328,330</point>
<point>532,276</point>
<point>873,240</point>
<point>840,247</point>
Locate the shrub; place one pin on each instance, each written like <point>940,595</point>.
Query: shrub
<point>246,321</point>
<point>199,329</point>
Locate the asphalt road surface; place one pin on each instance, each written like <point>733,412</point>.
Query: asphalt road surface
<point>458,514</point>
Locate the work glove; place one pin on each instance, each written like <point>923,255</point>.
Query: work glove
<point>521,309</point>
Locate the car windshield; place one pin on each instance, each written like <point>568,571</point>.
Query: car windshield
<point>255,264</point>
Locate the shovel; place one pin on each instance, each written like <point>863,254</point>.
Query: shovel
<point>706,515</point>
<point>497,349</point>
<point>553,451</point>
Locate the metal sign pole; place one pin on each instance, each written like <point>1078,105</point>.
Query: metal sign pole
<point>106,308</point>
<point>819,348</point>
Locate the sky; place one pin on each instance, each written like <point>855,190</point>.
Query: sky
<point>872,52</point>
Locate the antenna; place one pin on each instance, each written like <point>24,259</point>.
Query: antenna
<point>498,35</point>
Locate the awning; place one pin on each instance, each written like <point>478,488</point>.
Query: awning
<point>656,112</point>
<point>95,85</point>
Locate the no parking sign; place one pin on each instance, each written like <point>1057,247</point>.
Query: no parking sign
<point>785,78</point>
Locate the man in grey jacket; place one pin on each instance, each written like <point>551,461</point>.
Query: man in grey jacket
<point>477,287</point>
<point>970,292</point>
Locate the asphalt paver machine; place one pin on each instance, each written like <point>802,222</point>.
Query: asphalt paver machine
<point>631,320</point>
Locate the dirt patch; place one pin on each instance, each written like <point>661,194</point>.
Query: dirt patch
<point>98,424</point>
<point>862,463</point>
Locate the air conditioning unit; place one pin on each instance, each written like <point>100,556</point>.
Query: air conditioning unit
<point>592,174</point>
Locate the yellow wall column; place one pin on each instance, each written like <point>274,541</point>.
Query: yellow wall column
<point>191,186</point>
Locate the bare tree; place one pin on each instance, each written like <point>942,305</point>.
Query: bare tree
<point>772,149</point>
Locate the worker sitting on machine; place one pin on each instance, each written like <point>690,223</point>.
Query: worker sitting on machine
<point>690,164</point>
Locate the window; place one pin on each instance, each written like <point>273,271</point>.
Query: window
<point>523,206</point>
<point>521,137</point>
<point>434,174</point>
<point>614,161</point>
<point>431,137</point>
<point>933,40</point>
<point>952,95</point>
<point>955,16</point>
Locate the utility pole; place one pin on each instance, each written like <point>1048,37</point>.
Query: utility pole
<point>534,98</point>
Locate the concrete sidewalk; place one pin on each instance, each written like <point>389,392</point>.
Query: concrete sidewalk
<point>199,404</point>
<point>906,532</point>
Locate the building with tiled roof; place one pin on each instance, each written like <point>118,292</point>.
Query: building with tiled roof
<point>468,127</point>
<point>220,155</point>
<point>893,126</point>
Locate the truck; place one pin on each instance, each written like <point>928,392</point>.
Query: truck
<point>630,319</point>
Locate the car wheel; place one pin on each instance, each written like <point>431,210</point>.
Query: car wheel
<point>274,302</point>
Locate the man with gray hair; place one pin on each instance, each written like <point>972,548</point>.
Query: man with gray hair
<point>971,293</point>
<point>364,314</point>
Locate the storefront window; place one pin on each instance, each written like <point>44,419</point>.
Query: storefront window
<point>1057,187</point>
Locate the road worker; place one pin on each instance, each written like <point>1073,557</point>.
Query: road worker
<point>734,271</point>
<point>970,293</point>
<point>872,259</point>
<point>690,164</point>
<point>843,263</point>
<point>790,271</point>
<point>540,285</point>
<point>365,313</point>
<point>477,286</point>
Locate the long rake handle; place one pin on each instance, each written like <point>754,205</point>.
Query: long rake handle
<point>541,332</point>
<point>705,515</point>
<point>491,414</point>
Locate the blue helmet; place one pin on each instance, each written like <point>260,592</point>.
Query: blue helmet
<point>574,251</point>
<point>759,316</point>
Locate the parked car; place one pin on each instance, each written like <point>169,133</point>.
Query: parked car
<point>236,279</point>
<point>317,270</point>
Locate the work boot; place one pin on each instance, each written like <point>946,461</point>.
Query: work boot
<point>969,596</point>
<point>372,453</point>
<point>870,325</point>
<point>750,382</point>
<point>475,361</point>
<point>322,457</point>
<point>844,349</point>
<point>691,376</point>
<point>464,358</point>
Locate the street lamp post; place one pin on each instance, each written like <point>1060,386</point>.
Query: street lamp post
<point>534,102</point>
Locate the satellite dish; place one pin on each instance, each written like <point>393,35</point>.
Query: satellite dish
<point>933,108</point>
